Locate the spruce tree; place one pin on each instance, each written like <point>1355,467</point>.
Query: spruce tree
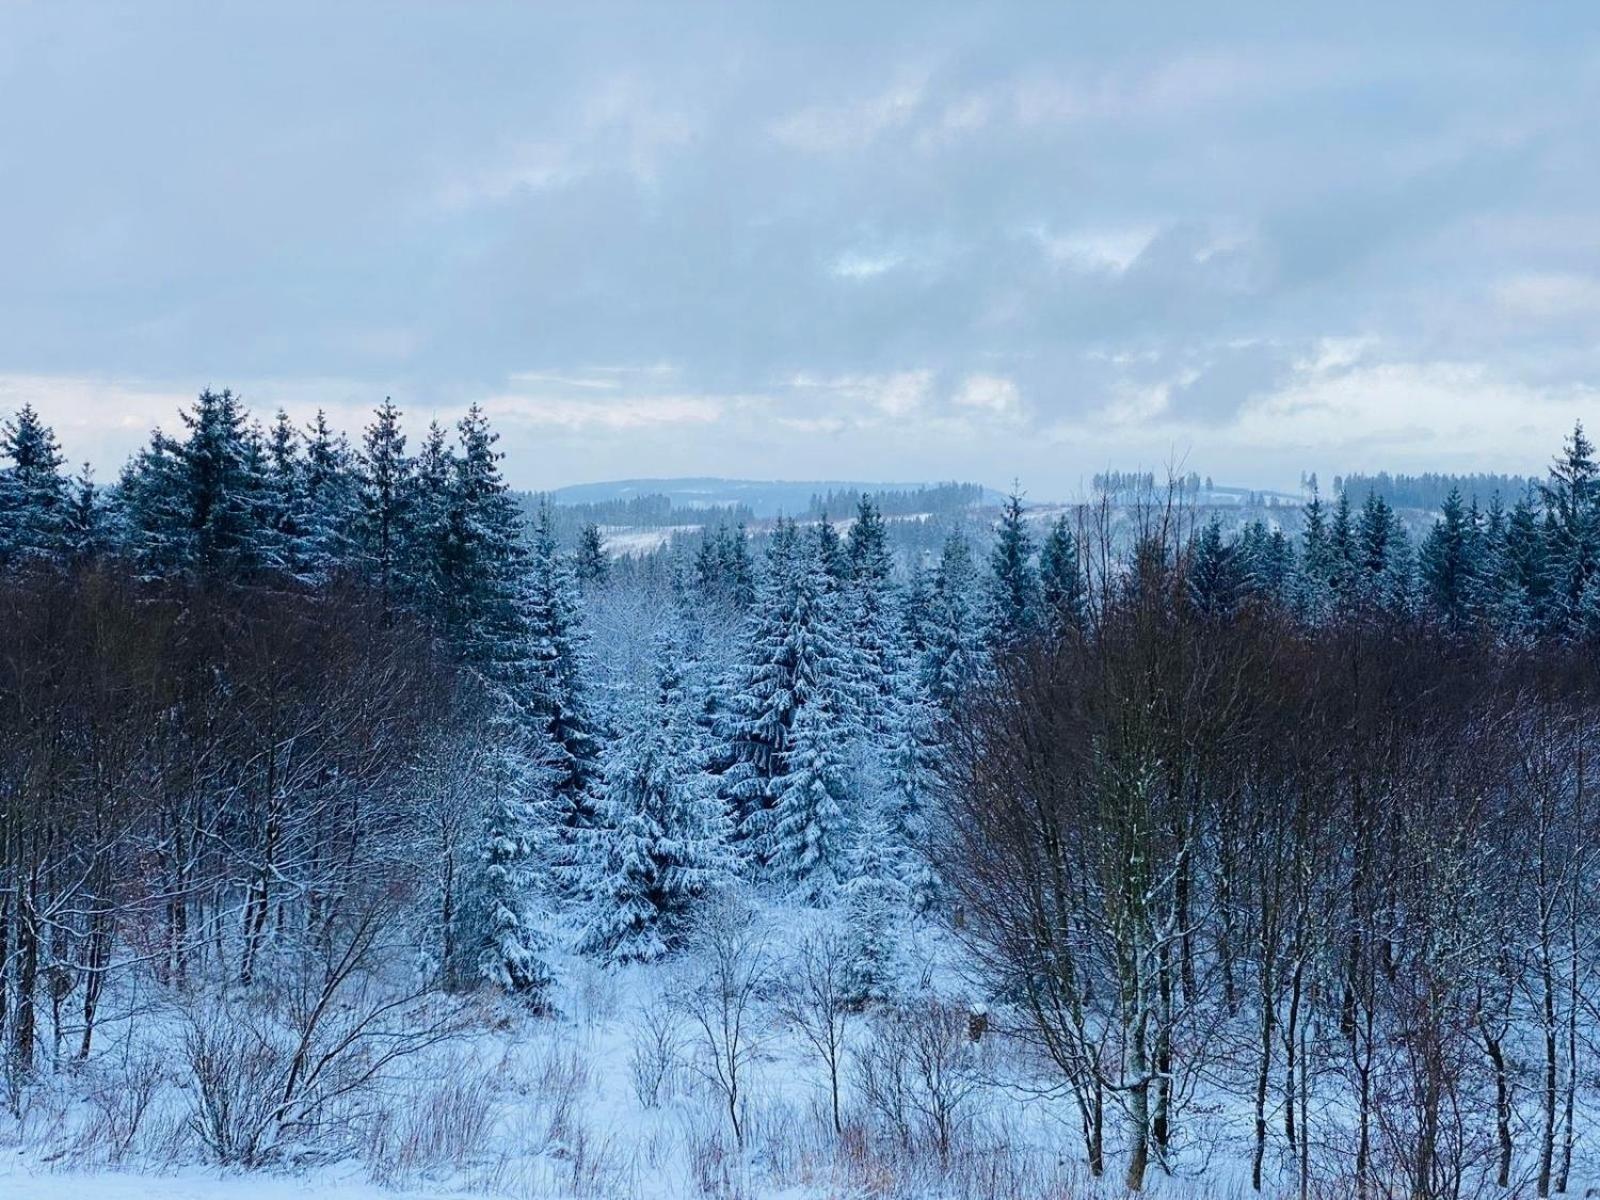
<point>1447,562</point>
<point>1529,606</point>
<point>1061,581</point>
<point>425,547</point>
<point>1382,582</point>
<point>1342,552</point>
<point>797,724</point>
<point>559,668</point>
<point>1013,581</point>
<point>1214,579</point>
<point>86,531</point>
<point>661,837</point>
<point>870,612</point>
<point>804,837</point>
<point>386,501</point>
<point>147,510</point>
<point>764,699</point>
<point>1572,505</point>
<point>1318,563</point>
<point>591,565</point>
<point>34,506</point>
<point>723,571</point>
<point>953,629</point>
<point>283,536</point>
<point>332,501</point>
<point>1266,563</point>
<point>499,941</point>
<point>874,905</point>
<point>200,504</point>
<point>830,550</point>
<point>910,770</point>
<point>482,563</point>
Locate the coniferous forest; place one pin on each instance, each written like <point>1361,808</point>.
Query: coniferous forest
<point>357,817</point>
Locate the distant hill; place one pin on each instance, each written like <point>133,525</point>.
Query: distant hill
<point>760,498</point>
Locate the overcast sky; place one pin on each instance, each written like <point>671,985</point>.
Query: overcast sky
<point>820,240</point>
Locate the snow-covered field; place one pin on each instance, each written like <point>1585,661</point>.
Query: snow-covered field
<point>614,1098</point>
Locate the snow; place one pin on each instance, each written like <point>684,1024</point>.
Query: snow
<point>20,1181</point>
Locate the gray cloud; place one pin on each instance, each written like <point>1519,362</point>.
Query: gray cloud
<point>835,240</point>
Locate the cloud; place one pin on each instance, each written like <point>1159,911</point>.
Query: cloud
<point>1405,414</point>
<point>951,241</point>
<point>1550,296</point>
<point>612,414</point>
<point>989,394</point>
<point>865,399</point>
<point>837,128</point>
<point>1110,250</point>
<point>865,266</point>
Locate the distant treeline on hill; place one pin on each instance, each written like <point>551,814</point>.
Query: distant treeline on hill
<point>1431,489</point>
<point>938,499</point>
<point>654,511</point>
<point>658,511</point>
<point>1141,485</point>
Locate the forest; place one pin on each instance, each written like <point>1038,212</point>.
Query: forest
<point>352,814</point>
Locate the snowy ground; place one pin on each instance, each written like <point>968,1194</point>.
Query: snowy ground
<point>21,1183</point>
<point>549,1109</point>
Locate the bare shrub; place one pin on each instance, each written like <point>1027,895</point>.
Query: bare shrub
<point>814,999</point>
<point>119,1103</point>
<point>720,1000</point>
<point>716,1168</point>
<point>300,1066</point>
<point>560,1081</point>
<point>918,1074</point>
<point>440,1121</point>
<point>655,1053</point>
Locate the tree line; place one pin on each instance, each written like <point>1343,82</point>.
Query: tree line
<point>1296,821</point>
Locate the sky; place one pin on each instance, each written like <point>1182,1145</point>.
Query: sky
<point>817,241</point>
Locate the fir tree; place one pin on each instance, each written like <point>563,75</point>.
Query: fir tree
<point>33,494</point>
<point>481,562</point>
<point>86,532</point>
<point>661,839</point>
<point>591,565</point>
<point>1448,563</point>
<point>1382,579</point>
<point>425,545</point>
<point>874,903</point>
<point>869,604</point>
<point>499,941</point>
<point>386,500</point>
<point>953,629</point>
<point>796,722</point>
<point>200,504</point>
<point>1061,581</point>
<point>1572,505</point>
<point>1013,582</point>
<point>331,500</point>
<point>558,661</point>
<point>1214,579</point>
